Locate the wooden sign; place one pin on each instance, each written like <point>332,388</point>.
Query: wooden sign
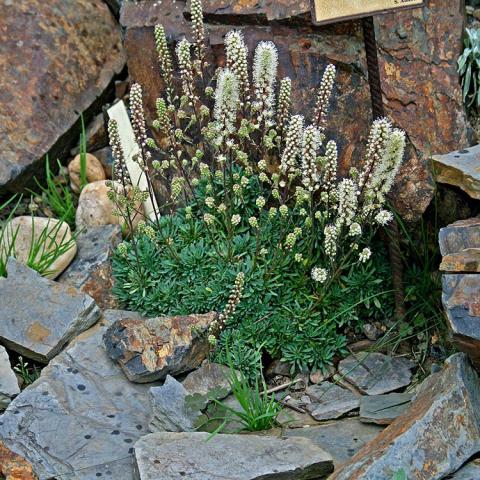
<point>330,11</point>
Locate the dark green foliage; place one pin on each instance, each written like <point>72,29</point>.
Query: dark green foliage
<point>191,268</point>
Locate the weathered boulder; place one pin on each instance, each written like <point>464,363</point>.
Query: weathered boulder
<point>91,270</point>
<point>342,439</point>
<point>329,400</point>
<point>461,301</point>
<point>96,209</point>
<point>173,456</point>
<point>460,169</point>
<point>418,50</point>
<point>434,437</point>
<point>26,235</point>
<point>383,409</point>
<point>171,411</point>
<point>93,171</point>
<point>374,373</point>
<point>150,349</point>
<point>210,380</point>
<point>459,235</point>
<point>54,65</point>
<point>467,260</point>
<point>8,381</point>
<point>81,418</point>
<point>14,467</point>
<point>40,316</point>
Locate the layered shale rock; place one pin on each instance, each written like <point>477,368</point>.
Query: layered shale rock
<point>434,437</point>
<point>40,316</point>
<point>150,349</point>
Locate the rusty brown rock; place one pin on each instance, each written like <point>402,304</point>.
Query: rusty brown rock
<point>417,49</point>
<point>467,260</point>
<point>461,301</point>
<point>93,171</point>
<point>149,350</point>
<point>433,438</point>
<point>14,467</point>
<point>57,60</point>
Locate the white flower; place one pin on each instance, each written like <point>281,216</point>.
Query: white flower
<point>311,143</point>
<point>319,275</point>
<point>383,217</point>
<point>208,218</point>
<point>355,230</point>
<point>298,257</point>
<point>283,209</point>
<point>226,101</point>
<point>263,252</point>
<point>364,255</point>
<point>236,219</point>
<point>262,165</point>
<point>222,208</point>
<point>331,233</point>
<point>253,222</point>
<point>272,212</point>
<point>260,202</point>
<point>210,202</point>
<point>212,340</point>
<point>347,201</point>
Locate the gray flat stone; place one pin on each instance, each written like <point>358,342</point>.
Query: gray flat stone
<point>8,381</point>
<point>383,409</point>
<point>374,373</point>
<point>81,418</point>
<point>330,401</point>
<point>40,316</point>
<point>211,380</point>
<point>91,270</point>
<point>342,439</point>
<point>172,456</point>
<point>170,409</point>
<point>434,437</point>
<point>459,235</point>
<point>460,168</point>
<point>471,471</point>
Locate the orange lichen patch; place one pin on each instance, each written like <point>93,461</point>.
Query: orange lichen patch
<point>14,467</point>
<point>36,332</point>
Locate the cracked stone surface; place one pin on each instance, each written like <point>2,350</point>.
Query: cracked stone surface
<point>209,380</point>
<point>329,401</point>
<point>91,270</point>
<point>81,418</point>
<point>172,456</point>
<point>383,409</point>
<point>170,409</point>
<point>8,380</point>
<point>342,439</point>
<point>375,373</point>
<point>459,235</point>
<point>434,437</point>
<point>53,315</point>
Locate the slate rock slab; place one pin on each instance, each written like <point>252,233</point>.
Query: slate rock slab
<point>342,439</point>
<point>8,381</point>
<point>471,471</point>
<point>467,260</point>
<point>210,380</point>
<point>172,456</point>
<point>461,302</point>
<point>91,270</point>
<point>40,316</point>
<point>434,437</point>
<point>54,65</point>
<point>375,373</point>
<point>383,409</point>
<point>460,169</point>
<point>329,400</point>
<point>150,349</point>
<point>170,409</point>
<point>81,418</point>
<point>459,235</point>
